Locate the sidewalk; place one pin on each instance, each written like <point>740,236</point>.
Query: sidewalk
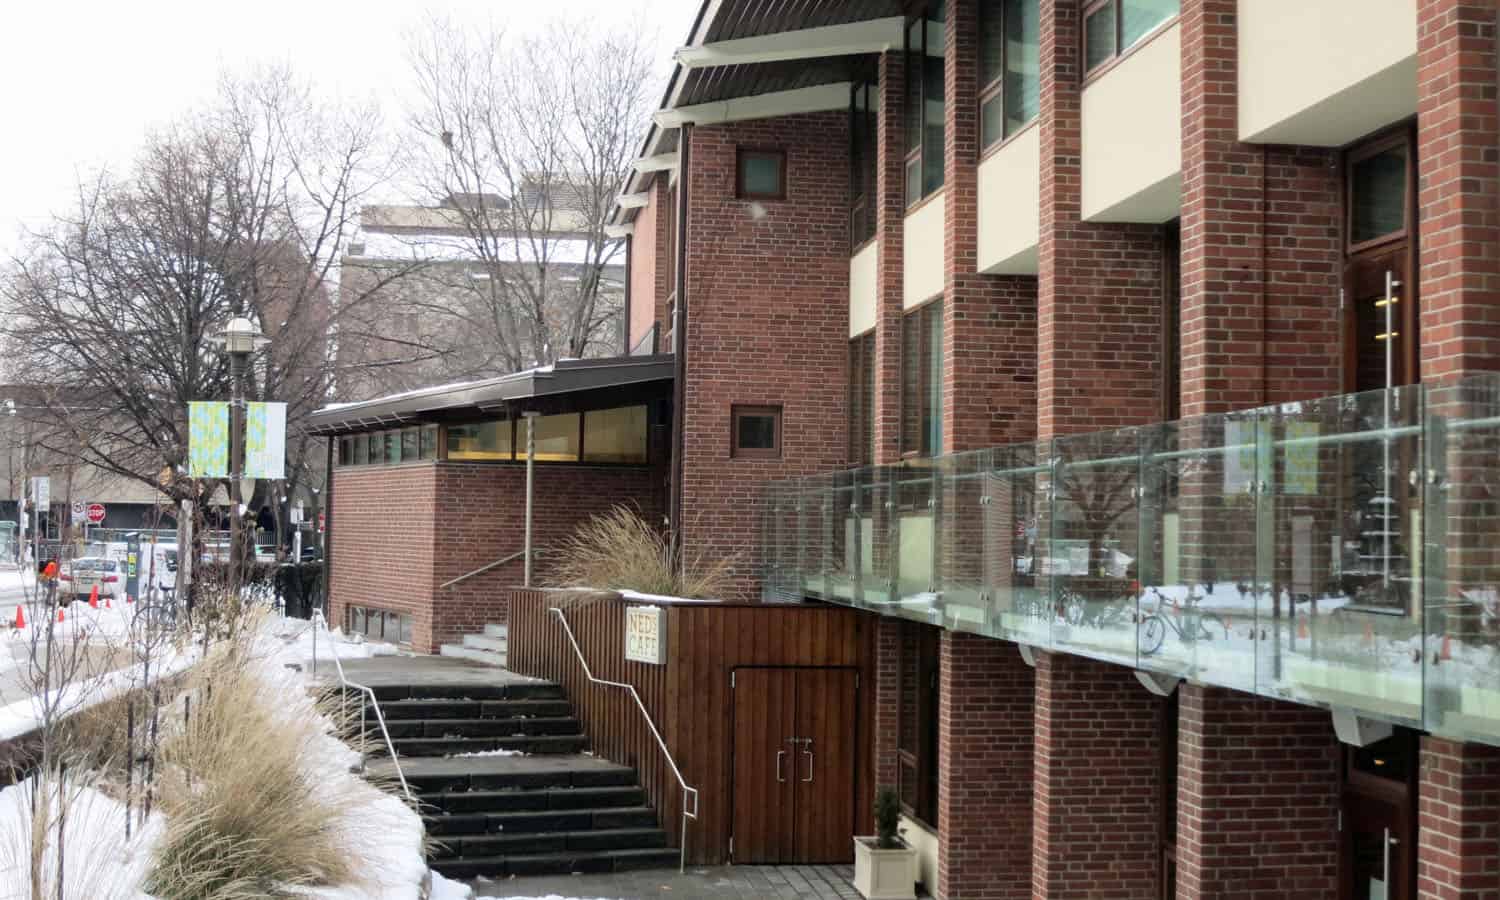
<point>717,883</point>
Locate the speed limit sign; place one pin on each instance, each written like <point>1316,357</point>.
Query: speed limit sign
<point>80,512</point>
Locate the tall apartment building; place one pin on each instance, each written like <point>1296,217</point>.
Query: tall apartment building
<point>1123,365</point>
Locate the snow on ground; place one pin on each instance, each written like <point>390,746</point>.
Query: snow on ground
<point>98,862</point>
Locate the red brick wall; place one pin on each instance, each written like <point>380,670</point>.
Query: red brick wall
<point>890,219</point>
<point>1458,849</point>
<point>1238,752</point>
<point>986,704</point>
<point>1095,811</point>
<point>401,531</point>
<point>381,529</point>
<point>989,321</point>
<point>768,308</point>
<point>1100,285</point>
<point>644,253</point>
<point>1458,200</point>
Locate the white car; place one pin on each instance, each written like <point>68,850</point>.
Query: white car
<point>77,579</point>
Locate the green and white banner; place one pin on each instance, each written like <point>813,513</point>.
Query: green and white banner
<point>265,440</point>
<point>208,439</point>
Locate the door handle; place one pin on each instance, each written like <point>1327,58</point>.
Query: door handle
<point>1385,878</point>
<point>810,761</point>
<point>780,776</point>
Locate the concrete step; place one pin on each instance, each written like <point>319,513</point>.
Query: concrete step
<point>485,642</point>
<point>598,861</point>
<point>539,820</point>
<point>459,651</point>
<point>490,845</point>
<point>401,710</point>
<point>434,775</point>
<point>498,631</point>
<point>496,801</point>
<point>475,728</point>
<point>451,746</point>
<point>521,690</point>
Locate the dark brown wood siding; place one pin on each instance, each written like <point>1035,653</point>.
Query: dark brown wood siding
<point>689,697</point>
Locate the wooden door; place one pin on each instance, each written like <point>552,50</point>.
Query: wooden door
<point>794,765</point>
<point>1372,323</point>
<point>824,789</point>
<point>764,763</point>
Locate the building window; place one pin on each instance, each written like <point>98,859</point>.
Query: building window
<point>1378,191</point>
<point>361,449</point>
<point>922,381</point>
<point>917,722</point>
<point>392,447</point>
<point>429,442</point>
<point>558,438</point>
<point>924,102</point>
<point>761,175</point>
<point>485,441</point>
<point>411,439</point>
<point>1009,67</point>
<point>864,119</point>
<point>615,435</point>
<point>1110,27</point>
<point>346,451</point>
<point>378,625</point>
<point>862,400</point>
<point>756,432</point>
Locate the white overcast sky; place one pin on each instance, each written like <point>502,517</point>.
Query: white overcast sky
<point>81,82</point>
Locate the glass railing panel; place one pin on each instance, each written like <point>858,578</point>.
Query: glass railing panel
<point>1091,565</point>
<point>1339,606</point>
<point>959,516</point>
<point>1462,560</point>
<point>842,528</point>
<point>780,578</point>
<point>816,496</point>
<point>1198,561</point>
<point>915,490</point>
<point>872,492</point>
<point>1015,544</point>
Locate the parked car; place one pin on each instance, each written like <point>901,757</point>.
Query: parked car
<point>78,578</point>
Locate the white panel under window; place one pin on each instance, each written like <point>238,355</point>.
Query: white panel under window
<point>862,294</point>
<point>1132,135</point>
<point>922,253</point>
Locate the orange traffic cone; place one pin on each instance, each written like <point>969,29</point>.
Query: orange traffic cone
<point>59,614</point>
<point>1446,653</point>
<point>129,599</point>
<point>107,604</point>
<point>94,597</point>
<point>20,617</point>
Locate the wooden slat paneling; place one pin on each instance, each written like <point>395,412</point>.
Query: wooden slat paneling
<point>689,697</point>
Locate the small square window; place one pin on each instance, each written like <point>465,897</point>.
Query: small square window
<point>1099,37</point>
<point>761,175</point>
<point>756,432</point>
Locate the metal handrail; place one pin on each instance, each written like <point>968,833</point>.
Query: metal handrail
<point>681,782</point>
<point>374,704</point>
<point>485,568</point>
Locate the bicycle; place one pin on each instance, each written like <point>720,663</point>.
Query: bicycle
<point>1192,623</point>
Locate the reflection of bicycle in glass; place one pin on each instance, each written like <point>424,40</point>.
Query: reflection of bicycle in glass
<point>1187,619</point>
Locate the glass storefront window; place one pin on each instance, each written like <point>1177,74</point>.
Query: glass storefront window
<point>393,446</point>
<point>556,438</point>
<point>429,442</point>
<point>480,441</point>
<point>615,435</point>
<point>409,441</point>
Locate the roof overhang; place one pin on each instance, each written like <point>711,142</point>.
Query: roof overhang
<point>869,36</point>
<point>818,98</point>
<point>574,384</point>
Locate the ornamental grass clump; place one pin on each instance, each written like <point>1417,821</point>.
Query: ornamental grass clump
<point>619,550</point>
<point>245,816</point>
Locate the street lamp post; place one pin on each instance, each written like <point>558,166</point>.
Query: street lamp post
<point>239,339</point>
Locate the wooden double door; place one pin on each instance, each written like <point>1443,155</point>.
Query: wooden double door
<point>794,765</point>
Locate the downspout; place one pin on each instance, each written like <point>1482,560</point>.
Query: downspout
<point>625,312</point>
<point>679,338</point>
<point>327,535</point>
<point>530,416</point>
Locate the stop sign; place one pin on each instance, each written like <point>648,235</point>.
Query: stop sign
<point>96,513</point>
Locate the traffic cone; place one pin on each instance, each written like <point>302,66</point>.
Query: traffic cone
<point>107,604</point>
<point>20,617</point>
<point>94,597</point>
<point>59,614</point>
<point>1302,628</point>
<point>1446,652</point>
<point>129,599</point>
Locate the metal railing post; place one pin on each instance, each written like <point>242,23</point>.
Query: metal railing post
<point>530,417</point>
<point>374,704</point>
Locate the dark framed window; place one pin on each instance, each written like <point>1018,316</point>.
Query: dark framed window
<point>1378,186</point>
<point>1112,27</point>
<point>411,444</point>
<point>925,127</point>
<point>429,442</point>
<point>922,381</point>
<point>864,120</point>
<point>760,174</point>
<point>755,432</point>
<point>1010,34</point>
<point>862,400</point>
<point>917,683</point>
<point>346,451</point>
<point>361,449</point>
<point>393,446</point>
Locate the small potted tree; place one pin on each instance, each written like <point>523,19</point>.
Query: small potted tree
<point>883,864</point>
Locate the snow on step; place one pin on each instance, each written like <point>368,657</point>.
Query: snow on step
<point>485,642</point>
<point>470,653</point>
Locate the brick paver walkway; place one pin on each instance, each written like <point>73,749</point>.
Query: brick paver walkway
<point>718,883</point>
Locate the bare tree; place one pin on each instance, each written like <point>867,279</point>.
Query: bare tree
<point>238,210</point>
<point>524,141</point>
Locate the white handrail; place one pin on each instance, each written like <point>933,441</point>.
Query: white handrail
<point>681,782</point>
<point>484,568</point>
<point>374,704</point>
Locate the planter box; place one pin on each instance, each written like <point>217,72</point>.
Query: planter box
<point>884,874</point>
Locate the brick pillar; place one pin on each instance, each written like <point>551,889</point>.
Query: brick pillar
<point>1458,840</point>
<point>986,701</point>
<point>1458,200</point>
<point>1255,774</point>
<point>1099,285</point>
<point>1095,810</point>
<point>889,219</point>
<point>989,321</point>
<point>887,700</point>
